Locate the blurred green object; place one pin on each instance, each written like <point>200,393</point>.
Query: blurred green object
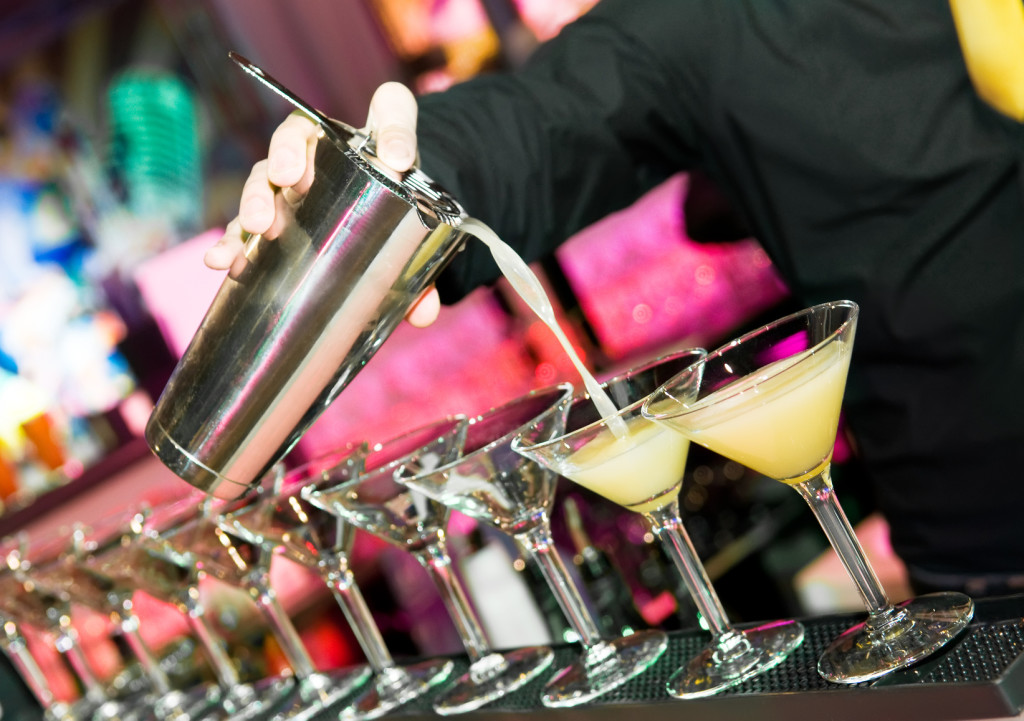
<point>154,147</point>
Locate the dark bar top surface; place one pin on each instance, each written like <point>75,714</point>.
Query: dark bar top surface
<point>980,675</point>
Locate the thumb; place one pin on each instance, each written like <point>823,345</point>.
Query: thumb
<point>392,119</point>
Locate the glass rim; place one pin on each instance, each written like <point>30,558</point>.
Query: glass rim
<point>698,353</point>
<point>566,393</point>
<point>166,514</point>
<point>332,458</point>
<point>392,468</point>
<point>745,338</point>
<point>293,481</point>
<point>451,421</point>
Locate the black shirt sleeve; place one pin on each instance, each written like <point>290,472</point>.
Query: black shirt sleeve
<point>581,131</point>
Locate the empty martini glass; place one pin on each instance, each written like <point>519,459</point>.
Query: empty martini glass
<point>26,601</point>
<point>406,518</point>
<point>155,566</point>
<point>289,525</point>
<point>15,646</point>
<point>642,470</point>
<point>771,400</point>
<point>495,485</point>
<point>84,583</point>
<point>234,558</point>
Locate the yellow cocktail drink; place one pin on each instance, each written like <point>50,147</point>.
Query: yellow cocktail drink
<point>642,470</point>
<point>639,465</point>
<point>780,421</point>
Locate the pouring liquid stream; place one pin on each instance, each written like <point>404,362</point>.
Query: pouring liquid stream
<point>527,285</point>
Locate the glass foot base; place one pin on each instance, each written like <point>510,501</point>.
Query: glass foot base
<point>190,703</point>
<point>906,634</point>
<point>738,656</point>
<point>248,701</point>
<point>397,687</point>
<point>320,691</point>
<point>492,677</point>
<point>146,706</point>
<point>111,710</point>
<point>60,711</point>
<point>603,667</point>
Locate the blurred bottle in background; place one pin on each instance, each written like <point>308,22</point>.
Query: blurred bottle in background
<point>59,336</point>
<point>613,603</point>
<point>32,444</point>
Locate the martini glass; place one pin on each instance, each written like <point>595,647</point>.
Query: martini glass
<point>24,600</point>
<point>639,465</point>
<point>158,568</point>
<point>406,518</point>
<point>771,400</point>
<point>86,583</point>
<point>495,485</point>
<point>235,556</point>
<point>15,647</point>
<point>286,523</point>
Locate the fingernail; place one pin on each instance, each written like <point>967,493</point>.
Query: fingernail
<point>395,149</point>
<point>212,256</point>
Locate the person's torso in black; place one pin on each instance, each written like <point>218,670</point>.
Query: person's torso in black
<point>850,137</point>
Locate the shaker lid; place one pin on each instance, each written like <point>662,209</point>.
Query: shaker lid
<point>434,202</point>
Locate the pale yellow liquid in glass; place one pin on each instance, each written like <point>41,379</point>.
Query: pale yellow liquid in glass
<point>785,426</point>
<point>641,470</point>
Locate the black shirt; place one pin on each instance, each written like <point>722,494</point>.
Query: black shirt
<point>850,137</point>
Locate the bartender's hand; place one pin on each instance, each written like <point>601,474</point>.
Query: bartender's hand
<point>289,168</point>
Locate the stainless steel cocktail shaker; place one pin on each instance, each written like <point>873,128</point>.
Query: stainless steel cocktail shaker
<point>301,313</point>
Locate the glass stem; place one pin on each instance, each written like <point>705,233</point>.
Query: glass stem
<point>223,668</point>
<point>338,577</point>
<point>668,527</point>
<point>128,622</point>
<point>822,499</point>
<point>16,648</point>
<point>438,563</point>
<point>538,545</point>
<point>281,626</point>
<point>67,644</point>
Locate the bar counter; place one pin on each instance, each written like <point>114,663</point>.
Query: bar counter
<point>980,676</point>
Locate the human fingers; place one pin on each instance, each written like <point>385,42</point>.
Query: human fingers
<point>229,247</point>
<point>290,153</point>
<point>426,309</point>
<point>392,120</point>
<point>256,206</point>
